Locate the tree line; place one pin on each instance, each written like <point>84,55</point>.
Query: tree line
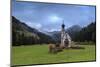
<point>87,33</point>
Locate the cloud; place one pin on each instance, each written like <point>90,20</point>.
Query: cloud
<point>54,19</point>
<point>38,25</point>
<point>34,25</point>
<point>54,30</point>
<point>51,30</point>
<point>49,17</point>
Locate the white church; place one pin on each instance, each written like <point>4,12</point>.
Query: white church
<point>65,38</point>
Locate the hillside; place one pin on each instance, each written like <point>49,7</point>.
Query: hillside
<point>23,34</point>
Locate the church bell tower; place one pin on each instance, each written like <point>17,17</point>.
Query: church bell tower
<point>62,34</point>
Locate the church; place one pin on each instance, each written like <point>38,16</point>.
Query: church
<point>65,38</point>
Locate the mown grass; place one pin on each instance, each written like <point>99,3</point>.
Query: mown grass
<point>38,54</point>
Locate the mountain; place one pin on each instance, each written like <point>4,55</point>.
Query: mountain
<point>87,33</point>
<point>18,26</point>
<point>24,34</point>
<point>56,35</point>
<point>73,30</point>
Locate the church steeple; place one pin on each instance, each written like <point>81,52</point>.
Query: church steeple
<point>62,34</point>
<point>63,26</point>
<point>65,38</point>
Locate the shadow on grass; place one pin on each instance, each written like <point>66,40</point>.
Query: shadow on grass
<point>77,47</point>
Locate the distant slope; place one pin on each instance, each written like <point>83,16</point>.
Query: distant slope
<point>18,26</point>
<point>87,33</point>
<point>73,30</point>
<point>56,35</point>
<point>23,34</point>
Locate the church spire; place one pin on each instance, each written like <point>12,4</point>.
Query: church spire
<point>63,24</point>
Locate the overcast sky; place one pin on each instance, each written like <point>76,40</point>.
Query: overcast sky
<point>49,17</point>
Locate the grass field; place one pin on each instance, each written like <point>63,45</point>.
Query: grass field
<point>38,54</point>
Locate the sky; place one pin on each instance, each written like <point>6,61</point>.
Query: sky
<point>49,16</point>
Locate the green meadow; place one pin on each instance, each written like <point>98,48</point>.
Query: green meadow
<point>38,54</point>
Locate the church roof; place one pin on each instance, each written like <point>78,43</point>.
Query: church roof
<point>63,25</point>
